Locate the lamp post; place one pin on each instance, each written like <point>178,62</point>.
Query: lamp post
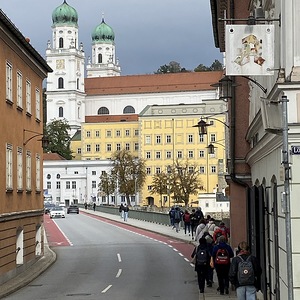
<point>168,188</point>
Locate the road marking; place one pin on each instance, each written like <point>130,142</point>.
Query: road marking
<point>119,273</point>
<point>119,257</point>
<point>105,290</point>
<point>68,240</point>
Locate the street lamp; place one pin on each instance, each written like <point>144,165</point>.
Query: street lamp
<point>202,127</point>
<point>44,140</point>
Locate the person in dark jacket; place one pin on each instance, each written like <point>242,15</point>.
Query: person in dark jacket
<point>202,270</point>
<point>222,270</point>
<point>245,292</point>
<point>194,222</point>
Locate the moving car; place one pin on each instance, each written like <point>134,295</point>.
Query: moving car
<point>73,209</point>
<point>57,212</point>
<point>47,207</point>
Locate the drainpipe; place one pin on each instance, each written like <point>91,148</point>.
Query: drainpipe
<point>286,196</point>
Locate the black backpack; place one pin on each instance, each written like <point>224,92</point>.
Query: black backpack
<point>245,272</point>
<point>202,257</point>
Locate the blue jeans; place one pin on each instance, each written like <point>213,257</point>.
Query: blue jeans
<point>125,215</point>
<point>246,292</point>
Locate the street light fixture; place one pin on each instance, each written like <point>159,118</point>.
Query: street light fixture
<point>202,127</point>
<point>44,140</point>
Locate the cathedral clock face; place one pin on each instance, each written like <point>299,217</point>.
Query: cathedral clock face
<point>60,64</point>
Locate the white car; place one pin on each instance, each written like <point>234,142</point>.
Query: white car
<point>57,212</point>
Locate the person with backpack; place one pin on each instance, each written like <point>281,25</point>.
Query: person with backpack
<point>202,261</point>
<point>194,222</point>
<point>177,218</point>
<point>201,228</point>
<point>221,230</point>
<point>221,255</point>
<point>187,222</point>
<point>171,215</point>
<point>245,273</point>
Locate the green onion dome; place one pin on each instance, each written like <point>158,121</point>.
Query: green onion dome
<point>65,14</point>
<point>103,33</point>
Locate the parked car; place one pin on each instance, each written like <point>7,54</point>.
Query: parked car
<point>73,209</point>
<point>57,212</point>
<point>47,207</point>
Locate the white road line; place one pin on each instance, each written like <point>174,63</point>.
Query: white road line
<point>71,244</point>
<point>180,254</point>
<point>175,250</point>
<point>119,273</point>
<point>105,290</point>
<point>119,257</point>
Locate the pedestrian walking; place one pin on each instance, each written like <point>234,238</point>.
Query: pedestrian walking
<point>94,206</point>
<point>211,226</point>
<point>171,215</point>
<point>221,255</point>
<point>245,273</point>
<point>201,228</point>
<point>202,261</point>
<point>121,210</point>
<point>177,218</point>
<point>187,222</point>
<point>194,222</point>
<point>126,210</point>
<point>221,230</point>
<point>85,205</point>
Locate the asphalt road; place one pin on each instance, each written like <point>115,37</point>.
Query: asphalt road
<point>101,259</point>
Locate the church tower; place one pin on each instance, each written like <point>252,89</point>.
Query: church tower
<point>65,85</point>
<point>103,62</point>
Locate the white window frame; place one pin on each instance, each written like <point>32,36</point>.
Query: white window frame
<point>19,89</point>
<point>9,83</point>
<point>28,96</point>
<point>9,167</point>
<point>37,104</point>
<point>147,139</point>
<point>20,169</point>
<point>38,172</point>
<point>28,171</point>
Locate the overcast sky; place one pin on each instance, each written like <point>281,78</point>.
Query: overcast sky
<point>148,33</point>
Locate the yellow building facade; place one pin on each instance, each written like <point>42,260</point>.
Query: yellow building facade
<point>167,135</point>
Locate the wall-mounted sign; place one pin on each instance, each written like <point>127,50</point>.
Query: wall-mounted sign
<point>249,49</point>
<point>295,150</point>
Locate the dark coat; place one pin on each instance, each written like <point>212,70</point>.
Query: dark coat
<point>234,270</point>
<point>203,247</point>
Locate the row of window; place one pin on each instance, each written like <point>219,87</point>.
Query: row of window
<point>109,133</point>
<point>127,110</point>
<point>21,169</point>
<point>191,169</point>
<point>68,185</point>
<point>158,139</point>
<point>19,91</point>
<point>179,154</point>
<point>109,148</point>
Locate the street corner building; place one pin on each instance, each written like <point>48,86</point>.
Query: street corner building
<point>22,71</point>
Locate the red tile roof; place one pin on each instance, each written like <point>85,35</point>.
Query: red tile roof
<point>52,156</point>
<point>154,83</point>
<point>112,118</point>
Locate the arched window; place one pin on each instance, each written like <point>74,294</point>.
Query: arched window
<point>99,58</point>
<point>128,110</point>
<point>103,111</point>
<point>60,83</point>
<point>61,42</point>
<point>61,112</point>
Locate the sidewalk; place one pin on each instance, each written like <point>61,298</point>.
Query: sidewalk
<point>49,258</point>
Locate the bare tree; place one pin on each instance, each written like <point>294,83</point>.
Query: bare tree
<point>160,185</point>
<point>107,184</point>
<point>129,171</point>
